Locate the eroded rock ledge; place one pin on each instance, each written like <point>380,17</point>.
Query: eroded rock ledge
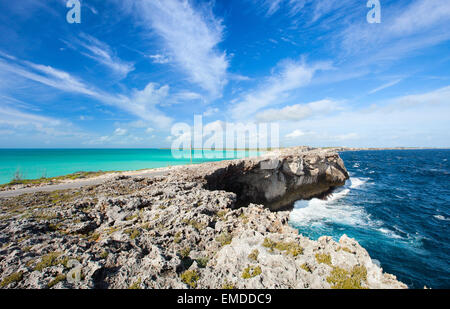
<point>276,179</point>
<point>172,232</point>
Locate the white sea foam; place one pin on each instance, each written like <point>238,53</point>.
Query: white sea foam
<point>389,233</point>
<point>355,182</point>
<point>318,212</point>
<point>440,217</point>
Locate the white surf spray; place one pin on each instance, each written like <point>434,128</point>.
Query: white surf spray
<point>319,212</point>
<point>442,218</point>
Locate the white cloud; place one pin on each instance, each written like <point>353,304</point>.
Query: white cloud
<point>16,117</point>
<point>187,96</point>
<point>403,121</point>
<point>120,132</point>
<point>273,6</point>
<point>420,24</point>
<point>298,111</point>
<point>160,59</point>
<point>102,53</point>
<point>421,15</point>
<point>387,85</point>
<point>141,103</point>
<point>295,134</point>
<point>191,36</point>
<point>20,124</point>
<point>210,111</point>
<point>47,75</point>
<point>276,89</point>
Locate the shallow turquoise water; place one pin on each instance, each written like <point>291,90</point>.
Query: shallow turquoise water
<point>37,163</point>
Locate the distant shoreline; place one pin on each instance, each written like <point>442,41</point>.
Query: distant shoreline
<point>86,175</point>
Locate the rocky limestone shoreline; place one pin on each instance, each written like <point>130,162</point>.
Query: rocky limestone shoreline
<point>208,226</point>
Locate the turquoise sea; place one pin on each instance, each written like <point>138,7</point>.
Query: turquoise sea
<point>37,163</point>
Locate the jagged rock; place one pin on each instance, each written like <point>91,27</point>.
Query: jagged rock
<point>184,230</point>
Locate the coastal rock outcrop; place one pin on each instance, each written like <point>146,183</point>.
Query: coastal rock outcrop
<point>181,231</point>
<point>276,179</point>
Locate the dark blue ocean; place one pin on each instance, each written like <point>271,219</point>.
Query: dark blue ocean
<point>397,206</point>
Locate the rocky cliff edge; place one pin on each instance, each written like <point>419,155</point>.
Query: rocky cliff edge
<point>206,226</point>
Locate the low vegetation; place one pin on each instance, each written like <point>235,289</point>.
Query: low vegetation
<point>290,248</point>
<point>224,239</point>
<point>323,258</point>
<point>202,262</point>
<point>15,277</point>
<point>18,178</point>
<point>190,277</point>
<point>57,280</point>
<point>254,255</point>
<point>306,267</point>
<point>136,285</point>
<point>251,271</point>
<point>344,279</point>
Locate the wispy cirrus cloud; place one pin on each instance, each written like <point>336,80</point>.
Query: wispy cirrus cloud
<point>273,6</point>
<point>289,76</point>
<point>191,37</point>
<point>298,111</point>
<point>160,59</point>
<point>384,86</point>
<point>420,24</point>
<point>140,103</point>
<point>45,75</point>
<point>102,53</point>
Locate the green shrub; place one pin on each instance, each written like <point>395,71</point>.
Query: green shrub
<point>228,286</point>
<point>221,214</point>
<point>323,258</point>
<point>15,277</point>
<point>345,249</point>
<point>184,253</point>
<point>224,239</point>
<point>133,233</point>
<point>343,279</point>
<point>306,267</point>
<point>177,237</point>
<point>57,280</point>
<point>202,262</point>
<point>51,259</point>
<point>190,277</point>
<point>251,271</point>
<point>292,248</point>
<point>254,255</point>
<point>136,285</point>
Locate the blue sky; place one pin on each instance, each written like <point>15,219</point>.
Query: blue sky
<point>133,68</point>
